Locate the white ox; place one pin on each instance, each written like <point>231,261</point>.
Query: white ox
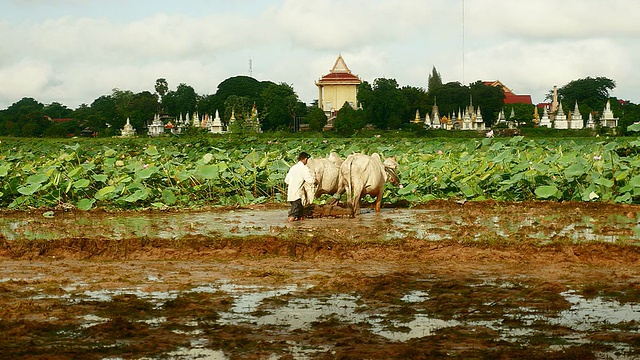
<point>327,174</point>
<point>363,174</point>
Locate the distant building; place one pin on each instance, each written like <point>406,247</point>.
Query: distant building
<point>336,88</point>
<point>509,96</point>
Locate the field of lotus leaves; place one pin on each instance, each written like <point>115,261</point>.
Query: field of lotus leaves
<point>188,173</point>
<point>489,272</point>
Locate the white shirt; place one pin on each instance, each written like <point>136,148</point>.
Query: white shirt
<point>297,175</point>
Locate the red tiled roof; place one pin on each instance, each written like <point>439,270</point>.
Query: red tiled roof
<point>340,77</point>
<point>511,98</point>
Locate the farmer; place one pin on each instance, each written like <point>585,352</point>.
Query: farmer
<point>295,179</point>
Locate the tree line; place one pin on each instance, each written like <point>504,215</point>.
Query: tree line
<point>384,105</point>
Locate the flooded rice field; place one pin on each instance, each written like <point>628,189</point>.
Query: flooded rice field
<point>478,280</point>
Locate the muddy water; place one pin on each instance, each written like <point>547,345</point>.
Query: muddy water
<point>290,308</point>
<point>459,300</point>
<point>431,225</point>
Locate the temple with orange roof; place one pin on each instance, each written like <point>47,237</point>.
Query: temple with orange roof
<point>337,87</point>
<point>509,96</point>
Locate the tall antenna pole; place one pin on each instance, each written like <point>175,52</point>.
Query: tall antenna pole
<point>250,69</point>
<point>463,43</point>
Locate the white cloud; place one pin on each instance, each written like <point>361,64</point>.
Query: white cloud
<point>93,48</point>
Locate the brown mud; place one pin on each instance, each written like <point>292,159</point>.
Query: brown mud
<point>474,280</point>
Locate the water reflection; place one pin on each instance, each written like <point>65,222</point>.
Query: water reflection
<point>390,224</point>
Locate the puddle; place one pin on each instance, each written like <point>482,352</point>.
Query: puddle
<point>589,314</point>
<point>289,308</point>
<point>390,224</point>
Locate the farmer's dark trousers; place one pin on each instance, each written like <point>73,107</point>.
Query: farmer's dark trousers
<point>296,208</point>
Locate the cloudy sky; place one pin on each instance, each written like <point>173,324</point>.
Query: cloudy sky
<point>73,51</point>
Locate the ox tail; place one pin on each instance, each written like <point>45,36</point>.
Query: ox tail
<point>351,196</point>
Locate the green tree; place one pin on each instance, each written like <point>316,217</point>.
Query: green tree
<point>590,93</point>
<point>417,99</point>
<point>181,101</point>
<point>240,107</point>
<point>280,106</point>
<point>242,86</point>
<point>316,118</point>
<point>523,113</point>
<point>162,86</point>
<point>627,112</point>
<point>26,117</point>
<point>434,82</point>
<point>490,99</point>
<point>142,109</point>
<point>452,98</point>
<point>57,110</point>
<point>364,95</point>
<point>102,114</point>
<point>386,106</point>
<point>208,104</point>
<point>348,120</point>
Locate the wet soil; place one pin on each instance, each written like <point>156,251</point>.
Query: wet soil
<point>474,280</point>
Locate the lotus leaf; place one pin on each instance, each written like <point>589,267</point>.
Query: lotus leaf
<point>546,191</point>
<point>146,173</point>
<point>104,192</point>
<point>407,189</point>
<point>85,204</point>
<point>207,172</point>
<point>100,177</point>
<point>29,189</point>
<point>151,150</point>
<point>168,197</point>
<point>81,183</point>
<point>604,182</point>
<point>207,158</point>
<point>574,170</point>
<point>37,179</point>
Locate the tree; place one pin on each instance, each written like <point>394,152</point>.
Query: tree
<point>240,107</point>
<point>208,104</point>
<point>57,110</point>
<point>143,107</point>
<point>590,93</point>
<point>181,101</point>
<point>385,106</point>
<point>161,88</point>
<point>417,99</point>
<point>280,106</point>
<point>348,120</point>
<point>243,86</point>
<point>490,99</point>
<point>451,98</point>
<point>316,119</point>
<point>523,113</point>
<point>434,82</point>
<point>24,118</point>
<point>103,113</point>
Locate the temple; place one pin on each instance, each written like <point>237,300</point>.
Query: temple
<point>575,121</point>
<point>156,128</point>
<point>128,130</point>
<point>509,96</point>
<point>336,88</point>
<point>215,126</point>
<point>560,121</point>
<point>607,119</point>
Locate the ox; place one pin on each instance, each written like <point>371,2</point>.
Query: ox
<point>362,174</point>
<point>327,174</point>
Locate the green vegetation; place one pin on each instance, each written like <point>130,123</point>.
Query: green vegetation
<point>191,172</point>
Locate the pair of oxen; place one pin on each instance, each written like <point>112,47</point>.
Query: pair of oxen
<point>358,175</point>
